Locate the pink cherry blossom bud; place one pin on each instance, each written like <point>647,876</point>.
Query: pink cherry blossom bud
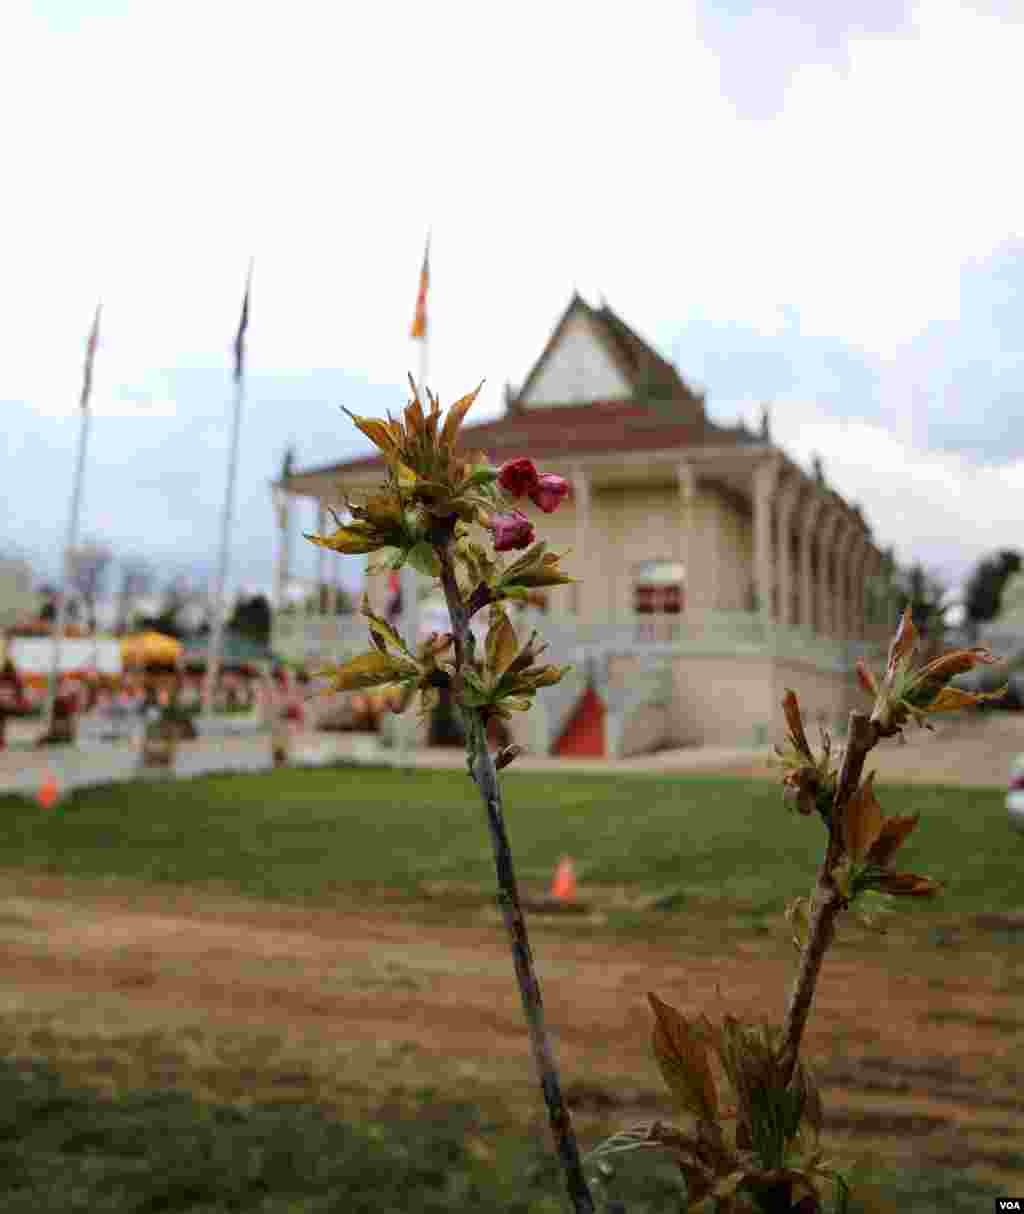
<point>518,477</point>
<point>511,530</point>
<point>549,491</point>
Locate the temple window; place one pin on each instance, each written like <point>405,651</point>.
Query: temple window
<point>659,598</point>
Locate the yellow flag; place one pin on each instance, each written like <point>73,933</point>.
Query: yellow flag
<point>419,323</point>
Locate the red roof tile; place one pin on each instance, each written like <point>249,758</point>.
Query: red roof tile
<point>563,430</point>
<point>665,413</point>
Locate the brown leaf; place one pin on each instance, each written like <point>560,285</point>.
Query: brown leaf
<point>532,556</point>
<point>866,678</point>
<point>354,540</point>
<point>383,510</point>
<point>378,432</point>
<point>794,722</point>
<point>381,632</point>
<point>414,413</point>
<point>904,642</point>
<point>957,661</point>
<point>951,698</point>
<point>890,837</point>
<point>532,650</point>
<point>502,644</point>
<point>862,820</point>
<point>507,755</point>
<point>540,676</point>
<point>907,884</point>
<point>456,413</point>
<point>683,1060</point>
<point>371,669</point>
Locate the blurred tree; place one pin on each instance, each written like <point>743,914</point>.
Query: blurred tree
<point>251,618</point>
<point>985,588</point>
<point>48,611</point>
<point>923,594</point>
<point>87,570</point>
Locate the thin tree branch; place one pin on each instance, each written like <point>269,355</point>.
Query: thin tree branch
<point>482,769</point>
<point>826,900</point>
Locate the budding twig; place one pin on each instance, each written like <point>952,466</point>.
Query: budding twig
<point>482,769</point>
<point>826,900</point>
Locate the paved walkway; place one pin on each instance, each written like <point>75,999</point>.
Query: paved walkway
<point>23,770</point>
<point>972,753</point>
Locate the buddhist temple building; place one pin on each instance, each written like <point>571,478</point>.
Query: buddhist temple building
<point>713,571</point>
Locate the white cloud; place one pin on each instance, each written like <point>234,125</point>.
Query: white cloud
<point>542,151</point>
<point>157,148</point>
<point>935,508</point>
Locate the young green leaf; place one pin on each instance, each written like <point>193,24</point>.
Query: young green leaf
<point>502,644</point>
<point>424,559</point>
<point>372,669</point>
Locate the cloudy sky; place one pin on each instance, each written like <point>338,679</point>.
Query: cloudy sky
<point>816,205</point>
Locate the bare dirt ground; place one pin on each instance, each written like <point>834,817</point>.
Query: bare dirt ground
<point>920,1045</point>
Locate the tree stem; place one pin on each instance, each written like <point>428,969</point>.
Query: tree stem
<point>482,769</point>
<point>826,900</point>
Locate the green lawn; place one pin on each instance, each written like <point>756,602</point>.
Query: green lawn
<point>65,1149</point>
<point>304,835</point>
<point>299,835</point>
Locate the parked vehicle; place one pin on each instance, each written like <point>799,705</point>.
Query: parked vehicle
<point>1015,793</point>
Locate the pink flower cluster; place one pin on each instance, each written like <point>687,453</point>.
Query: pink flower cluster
<point>519,478</point>
<point>511,530</point>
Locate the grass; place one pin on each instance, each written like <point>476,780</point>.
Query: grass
<point>65,1149</point>
<point>305,835</point>
<point>301,835</point>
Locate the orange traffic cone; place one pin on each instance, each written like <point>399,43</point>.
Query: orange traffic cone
<point>48,791</point>
<point>564,885</point>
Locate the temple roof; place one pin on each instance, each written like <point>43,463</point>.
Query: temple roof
<point>662,412</point>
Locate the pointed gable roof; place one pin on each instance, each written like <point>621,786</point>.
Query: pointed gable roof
<point>640,370</point>
<point>657,410</point>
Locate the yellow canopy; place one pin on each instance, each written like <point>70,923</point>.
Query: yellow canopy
<point>144,647</point>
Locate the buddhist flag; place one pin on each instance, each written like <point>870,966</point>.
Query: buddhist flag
<point>419,324</point>
<point>90,356</point>
<point>243,324</point>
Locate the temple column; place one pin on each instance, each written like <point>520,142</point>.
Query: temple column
<point>332,582</point>
<point>830,522</point>
<point>877,605</point>
<point>861,553</point>
<point>282,561</point>
<point>321,553</point>
<point>846,537</point>
<point>581,499</point>
<point>687,481</point>
<point>787,503</point>
<point>809,524</point>
<point>766,477</point>
<point>867,591</point>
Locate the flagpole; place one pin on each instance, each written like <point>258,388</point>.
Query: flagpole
<point>72,533</point>
<point>410,600</point>
<point>213,655</point>
<point>406,729</point>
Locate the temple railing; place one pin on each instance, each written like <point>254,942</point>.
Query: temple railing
<point>588,644</point>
